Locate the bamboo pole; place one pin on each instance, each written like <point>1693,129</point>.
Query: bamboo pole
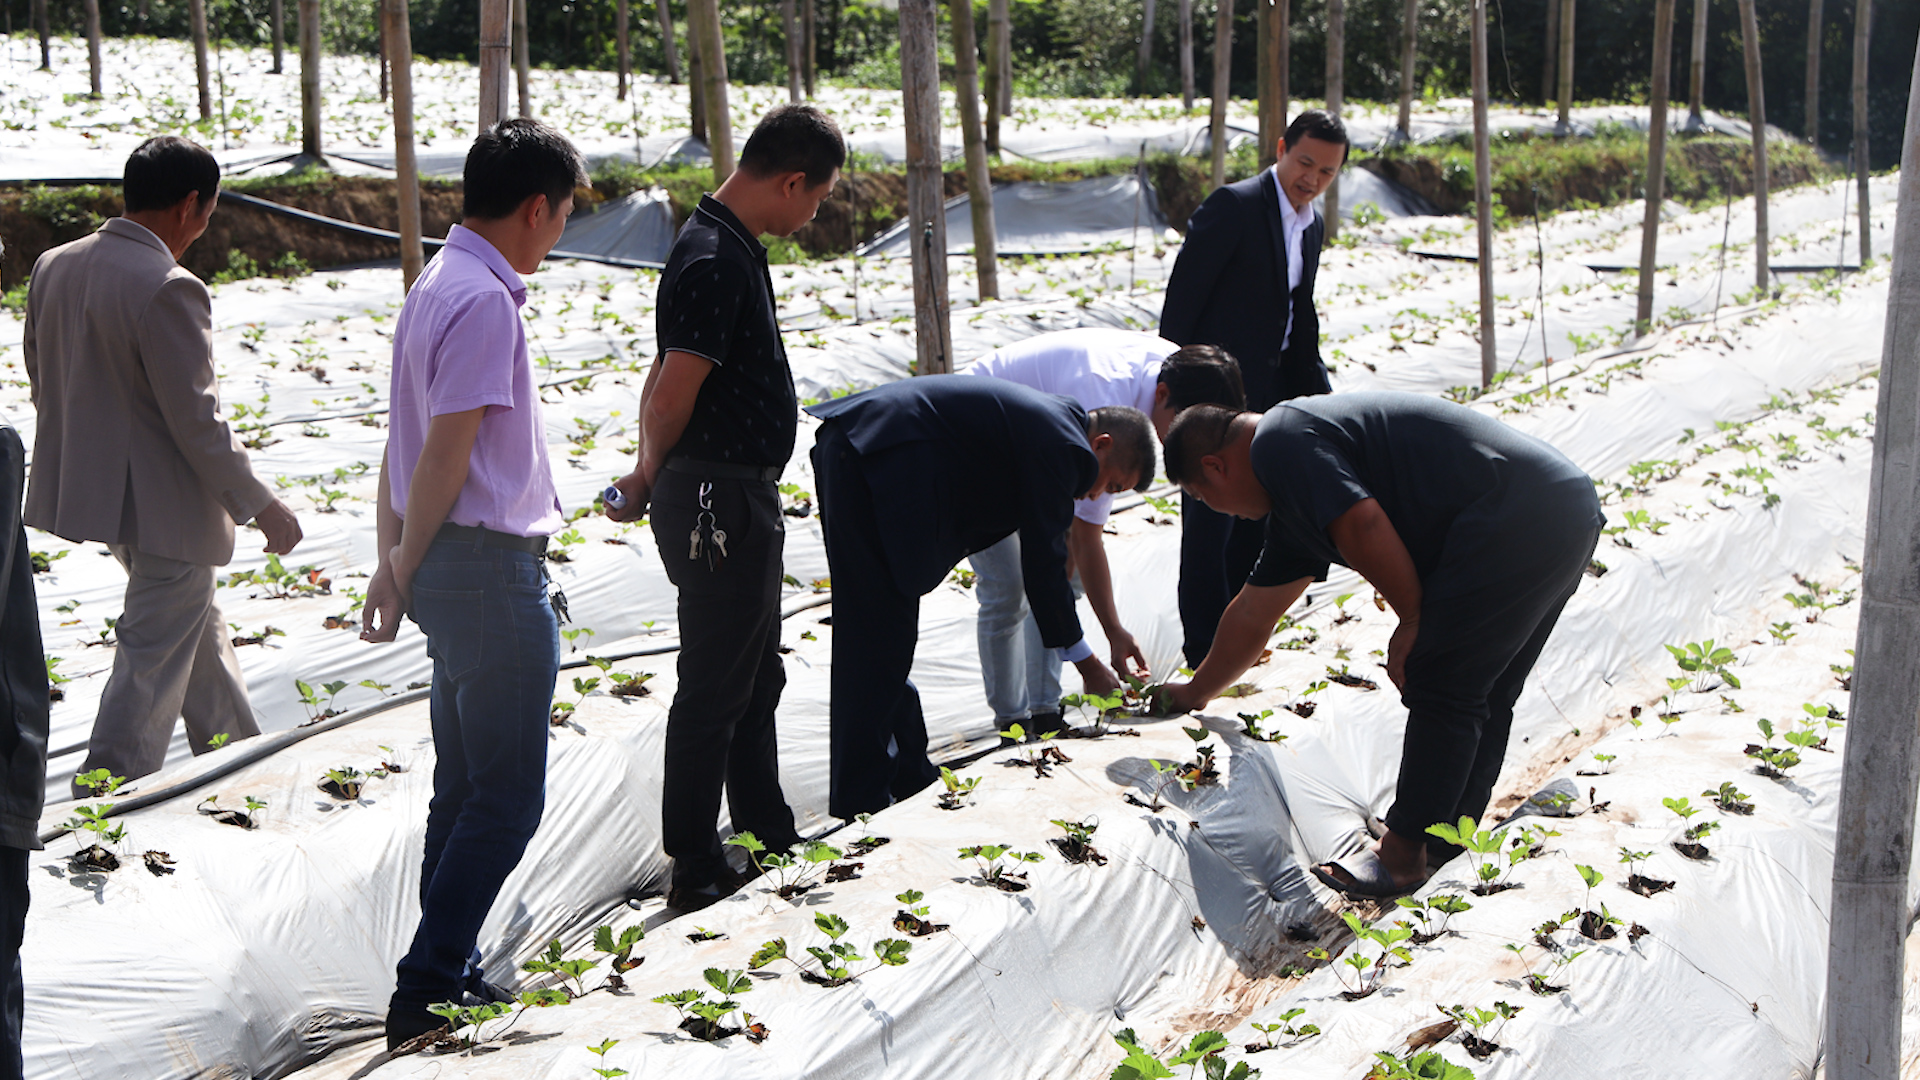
<point>1565,126</point>
<point>1757,119</point>
<point>1550,51</point>
<point>1697,69</point>
<point>807,54</point>
<point>1873,837</point>
<point>713,81</point>
<point>789,25</point>
<point>1483,191</point>
<point>277,15</point>
<point>623,46</point>
<point>966,86</point>
<point>926,212</point>
<point>1222,71</point>
<point>92,8</point>
<point>1186,55</point>
<point>666,40</point>
<point>1862,146</point>
<point>406,171</point>
<point>1814,14</point>
<point>1336,95</point>
<point>999,68</point>
<point>43,26</point>
<point>1409,41</point>
<point>522,58</point>
<point>496,47</point>
<point>309,30</point>
<point>1145,57</point>
<point>197,24</point>
<point>1656,161</point>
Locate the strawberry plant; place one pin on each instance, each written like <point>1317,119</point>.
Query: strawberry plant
<point>1558,958</point>
<point>1200,770</point>
<point>1254,730</point>
<point>1595,925</point>
<point>1283,1025</point>
<point>343,782</point>
<point>619,951</point>
<point>913,919</point>
<point>1426,1065</point>
<point>1077,845</point>
<point>1483,1026</point>
<point>1638,882</point>
<point>707,1021</point>
<point>1493,855</point>
<point>472,1018</point>
<point>1434,913</point>
<point>563,710</point>
<point>867,843</point>
<point>959,792</point>
<point>553,962</point>
<point>995,873</point>
<point>1706,663</point>
<point>244,819</point>
<point>1200,1055</point>
<point>1039,760</point>
<point>836,957</point>
<point>1774,760</point>
<point>93,819</point>
<point>1102,708</point>
<point>1605,761</point>
<point>1730,799</point>
<point>1368,970</point>
<point>793,872</point>
<point>600,1052</point>
<point>1689,843</point>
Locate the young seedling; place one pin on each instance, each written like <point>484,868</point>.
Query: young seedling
<point>1434,912</point>
<point>868,843</point>
<point>1425,1065</point>
<point>1706,663</point>
<point>1774,761</point>
<point>619,951</point>
<point>1041,759</point>
<point>1493,855</point>
<point>218,741</point>
<point>1201,1053</point>
<point>1101,709</point>
<point>1368,970</point>
<point>1255,731</point>
<point>1730,799</point>
<point>1283,1025</point>
<point>1690,842</point>
<point>1483,1026</point>
<point>243,819</point>
<point>94,819</point>
<point>553,962</point>
<point>1638,882</point>
<point>1077,845</point>
<point>602,1070</point>
<point>995,873</point>
<point>959,792</point>
<point>343,782</point>
<point>1558,958</point>
<point>1200,770</point>
<point>1595,925</point>
<point>913,917</point>
<point>470,1018</point>
<point>1605,761</point>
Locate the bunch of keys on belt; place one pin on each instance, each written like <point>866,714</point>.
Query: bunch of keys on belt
<point>714,542</point>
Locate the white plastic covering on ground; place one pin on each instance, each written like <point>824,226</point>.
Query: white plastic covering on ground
<point>1037,218</point>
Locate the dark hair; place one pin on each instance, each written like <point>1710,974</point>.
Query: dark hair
<point>1132,439</point>
<point>165,169</point>
<point>1197,432</point>
<point>1202,375</point>
<point>515,160</point>
<point>795,139</point>
<point>1318,124</point>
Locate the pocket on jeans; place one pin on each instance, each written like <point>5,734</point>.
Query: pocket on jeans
<point>453,620</point>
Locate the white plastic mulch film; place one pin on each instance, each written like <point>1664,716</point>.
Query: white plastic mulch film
<point>1733,453</point>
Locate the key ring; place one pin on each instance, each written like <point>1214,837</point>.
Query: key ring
<point>706,495</point>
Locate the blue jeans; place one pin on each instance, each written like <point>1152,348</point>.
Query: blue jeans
<point>496,652</point>
<point>1022,676</point>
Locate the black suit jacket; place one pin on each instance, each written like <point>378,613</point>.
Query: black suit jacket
<point>23,671</point>
<point>957,464</point>
<point>1229,288</point>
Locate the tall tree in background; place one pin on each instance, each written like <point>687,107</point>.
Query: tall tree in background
<point>1144,59</point>
<point>623,45</point>
<point>44,28</point>
<point>1697,77</point>
<point>277,16</point>
<point>522,57</point>
<point>807,52</point>
<point>666,43</point>
<point>696,90</point>
<point>309,14</point>
<point>1548,50</point>
<point>1862,36</point>
<point>1656,162</point>
<point>197,21</point>
<point>92,8</point>
<point>397,33</point>
<point>1757,120</point>
<point>1483,193</point>
<point>1336,92</point>
<point>999,43</point>
<point>1565,125</point>
<point>792,31</point>
<point>713,81</point>
<point>1271,18</point>
<point>1813,71</point>
<point>1222,73</point>
<point>1186,55</point>
<point>966,86</point>
<point>1409,45</point>
<point>496,59</point>
<point>926,210</point>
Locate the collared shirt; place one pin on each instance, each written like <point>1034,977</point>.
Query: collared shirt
<point>1096,366</point>
<point>459,345</point>
<point>716,302</point>
<point>1293,226</point>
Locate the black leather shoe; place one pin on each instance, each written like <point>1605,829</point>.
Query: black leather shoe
<point>685,898</point>
<point>1045,723</point>
<point>405,1025</point>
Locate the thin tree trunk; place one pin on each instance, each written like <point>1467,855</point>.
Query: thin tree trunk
<point>1565,126</point>
<point>93,47</point>
<point>1222,72</point>
<point>807,46</point>
<point>999,35</point>
<point>966,86</point>
<point>522,58</point>
<point>1550,51</point>
<point>380,43</point>
<point>406,172</point>
<point>1186,55</point>
<point>1145,57</point>
<point>666,41</point>
<point>1814,14</point>
<point>1336,94</point>
<point>713,80</point>
<point>1873,836</point>
<point>43,26</point>
<point>1862,145</point>
<point>1483,192</point>
<point>1757,119</point>
<point>926,212</point>
<point>696,91</point>
<point>197,24</point>
<point>1409,46</point>
<point>1656,161</point>
<point>788,24</point>
<point>623,43</point>
<point>496,59</point>
<point>1697,76</point>
<point>1270,75</point>
<point>277,14</point>
<point>309,29</point>
<point>1005,33</point>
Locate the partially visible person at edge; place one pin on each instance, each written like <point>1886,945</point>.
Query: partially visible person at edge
<point>914,476</point>
<point>718,419</point>
<point>1097,367</point>
<point>466,504</point>
<point>1475,534</point>
<point>1244,281</point>
<point>131,451</point>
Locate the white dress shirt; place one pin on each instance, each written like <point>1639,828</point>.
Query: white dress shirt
<point>1293,226</point>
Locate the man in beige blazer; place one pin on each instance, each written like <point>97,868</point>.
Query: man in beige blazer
<point>131,451</point>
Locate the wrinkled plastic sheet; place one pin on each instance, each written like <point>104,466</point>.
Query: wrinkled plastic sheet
<point>1039,218</point>
<point>637,227</point>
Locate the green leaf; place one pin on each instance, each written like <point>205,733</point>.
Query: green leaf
<point>1589,875</point>
<point>728,982</point>
<point>768,953</point>
<point>830,924</point>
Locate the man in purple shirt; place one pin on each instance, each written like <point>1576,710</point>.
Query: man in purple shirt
<point>466,504</point>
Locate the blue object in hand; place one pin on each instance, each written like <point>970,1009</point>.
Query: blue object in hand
<point>614,497</point>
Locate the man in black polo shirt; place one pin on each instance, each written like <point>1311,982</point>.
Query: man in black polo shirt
<point>1477,536</point>
<point>718,418</point>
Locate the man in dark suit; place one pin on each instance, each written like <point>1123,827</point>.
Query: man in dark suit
<point>1244,282</point>
<point>915,476</point>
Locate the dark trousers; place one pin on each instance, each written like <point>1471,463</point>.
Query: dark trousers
<point>1485,614</point>
<point>1217,552</point>
<point>878,753</point>
<point>14,898</point>
<point>720,731</point>
<point>496,651</point>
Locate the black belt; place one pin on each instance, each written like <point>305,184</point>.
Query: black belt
<point>485,537</point>
<point>720,470</point>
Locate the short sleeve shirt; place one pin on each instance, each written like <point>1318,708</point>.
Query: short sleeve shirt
<point>459,345</point>
<point>716,302</point>
<point>1096,366</point>
<point>1424,460</point>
